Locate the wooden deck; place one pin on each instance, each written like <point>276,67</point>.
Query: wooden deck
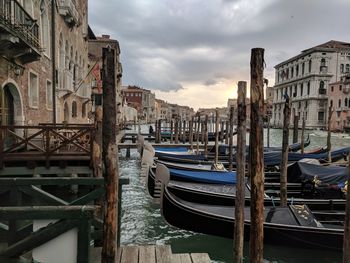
<point>151,254</point>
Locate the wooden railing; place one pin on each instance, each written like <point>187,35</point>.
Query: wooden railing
<point>45,142</point>
<point>15,17</point>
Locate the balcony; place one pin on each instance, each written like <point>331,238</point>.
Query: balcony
<point>19,33</point>
<point>68,10</point>
<point>65,82</point>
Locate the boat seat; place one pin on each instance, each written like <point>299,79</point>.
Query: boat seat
<point>304,216</point>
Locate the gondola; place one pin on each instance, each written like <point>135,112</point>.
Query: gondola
<point>270,158</point>
<point>294,225</point>
<point>224,194</point>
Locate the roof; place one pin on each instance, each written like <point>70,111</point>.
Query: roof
<point>330,46</point>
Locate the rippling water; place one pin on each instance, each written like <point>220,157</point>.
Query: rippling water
<point>142,222</point>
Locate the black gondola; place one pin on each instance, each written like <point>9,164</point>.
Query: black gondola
<point>295,225</point>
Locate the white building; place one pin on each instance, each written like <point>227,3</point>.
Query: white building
<point>305,79</point>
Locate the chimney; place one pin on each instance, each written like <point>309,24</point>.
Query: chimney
<point>106,36</point>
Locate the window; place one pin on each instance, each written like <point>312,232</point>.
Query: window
<point>308,88</point>
<point>299,104</point>
<point>339,103</point>
<point>301,89</point>
<point>322,90</point>
<point>306,104</point>
<point>338,115</point>
<point>331,103</point>
<point>292,72</point>
<point>305,115</point>
<point>332,88</point>
<point>323,62</point>
<point>83,110</point>
<point>48,94</point>
<point>320,115</point>
<point>346,102</point>
<point>341,68</point>
<point>302,68</point>
<point>340,87</point>
<point>310,65</point>
<point>347,68</point>
<point>33,91</point>
<point>45,28</point>
<point>297,71</point>
<point>290,91</point>
<point>295,91</point>
<point>74,109</point>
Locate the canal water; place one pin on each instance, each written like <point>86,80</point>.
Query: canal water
<point>143,224</point>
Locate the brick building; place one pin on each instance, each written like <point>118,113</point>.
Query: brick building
<point>339,99</point>
<point>26,75</point>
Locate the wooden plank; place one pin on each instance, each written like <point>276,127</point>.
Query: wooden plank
<point>46,212</point>
<point>147,254</point>
<point>34,191</point>
<point>163,254</point>
<point>200,258</point>
<point>181,258</point>
<point>93,195</point>
<point>14,171</point>
<point>130,254</point>
<point>61,181</point>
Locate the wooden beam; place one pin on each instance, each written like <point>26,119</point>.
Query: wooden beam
<point>230,140</point>
<point>217,136</point>
<point>60,181</point>
<point>17,171</point>
<point>36,192</point>
<point>46,212</point>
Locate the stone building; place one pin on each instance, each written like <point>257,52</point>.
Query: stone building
<point>339,99</point>
<point>305,79</point>
<point>26,62</point>
<point>96,44</point>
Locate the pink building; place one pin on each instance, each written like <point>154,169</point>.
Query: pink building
<point>339,98</point>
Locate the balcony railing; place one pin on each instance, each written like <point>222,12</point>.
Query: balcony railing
<point>68,10</point>
<point>65,80</point>
<point>15,18</point>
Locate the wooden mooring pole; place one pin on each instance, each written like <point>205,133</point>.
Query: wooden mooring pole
<point>160,130</point>
<point>176,131</point>
<point>346,242</point>
<point>197,135</point>
<point>230,140</point>
<point>302,135</point>
<point>217,137</point>
<point>184,131</point>
<point>256,151</point>
<point>240,190</point>
<point>329,145</point>
<point>97,142</point>
<point>190,129</point>
<point>171,131</point>
<point>110,159</point>
<point>285,142</point>
<point>295,128</point>
<point>268,131</point>
<point>227,126</point>
<point>206,136</point>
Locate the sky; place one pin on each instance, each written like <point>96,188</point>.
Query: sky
<point>194,52</point>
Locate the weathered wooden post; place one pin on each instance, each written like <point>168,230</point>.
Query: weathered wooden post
<point>190,129</point>
<point>155,132</point>
<point>203,127</point>
<point>302,135</point>
<point>240,193</point>
<point>346,242</point>
<point>97,142</point>
<point>222,130</point>
<point>284,161</point>
<point>227,126</point>
<point>184,131</point>
<point>230,139</point>
<point>268,131</point>
<point>329,145</point>
<point>217,137</point>
<point>176,131</point>
<point>206,136</point>
<point>295,128</point>
<point>171,131</point>
<point>180,129</point>
<point>160,131</point>
<point>256,151</point>
<point>198,123</point>
<point>109,154</point>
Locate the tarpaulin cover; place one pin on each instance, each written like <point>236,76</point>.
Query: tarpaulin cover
<point>213,177</point>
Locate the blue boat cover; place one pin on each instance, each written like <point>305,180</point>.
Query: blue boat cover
<point>182,156</point>
<point>320,175</point>
<point>171,149</point>
<point>214,177</point>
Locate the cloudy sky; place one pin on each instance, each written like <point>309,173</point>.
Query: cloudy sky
<point>193,52</point>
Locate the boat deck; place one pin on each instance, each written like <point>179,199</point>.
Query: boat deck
<point>152,254</point>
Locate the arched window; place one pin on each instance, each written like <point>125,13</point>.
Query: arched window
<point>339,103</point>
<point>297,71</point>
<point>301,89</point>
<point>302,68</point>
<point>308,88</point>
<point>74,109</point>
<point>346,102</point>
<point>322,90</point>
<point>292,72</point>
<point>323,62</point>
<point>310,65</point>
<point>341,68</point>
<point>331,103</point>
<point>67,54</point>
<point>61,56</point>
<point>347,68</point>
<point>45,28</point>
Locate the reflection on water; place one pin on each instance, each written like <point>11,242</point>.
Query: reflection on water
<point>142,222</point>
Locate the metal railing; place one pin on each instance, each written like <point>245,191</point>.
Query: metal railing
<point>15,17</point>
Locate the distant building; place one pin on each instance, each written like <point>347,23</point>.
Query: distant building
<point>305,79</point>
<point>339,99</point>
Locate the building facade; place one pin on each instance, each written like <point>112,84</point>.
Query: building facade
<point>339,99</point>
<point>26,65</point>
<point>305,79</point>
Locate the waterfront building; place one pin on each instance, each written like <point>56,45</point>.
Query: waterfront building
<point>26,62</point>
<point>96,44</point>
<point>339,99</point>
<point>305,79</point>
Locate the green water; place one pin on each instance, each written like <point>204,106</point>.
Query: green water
<point>143,224</point>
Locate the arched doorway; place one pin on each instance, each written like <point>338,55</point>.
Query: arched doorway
<point>10,105</point>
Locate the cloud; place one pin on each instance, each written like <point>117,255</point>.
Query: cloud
<point>179,45</point>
